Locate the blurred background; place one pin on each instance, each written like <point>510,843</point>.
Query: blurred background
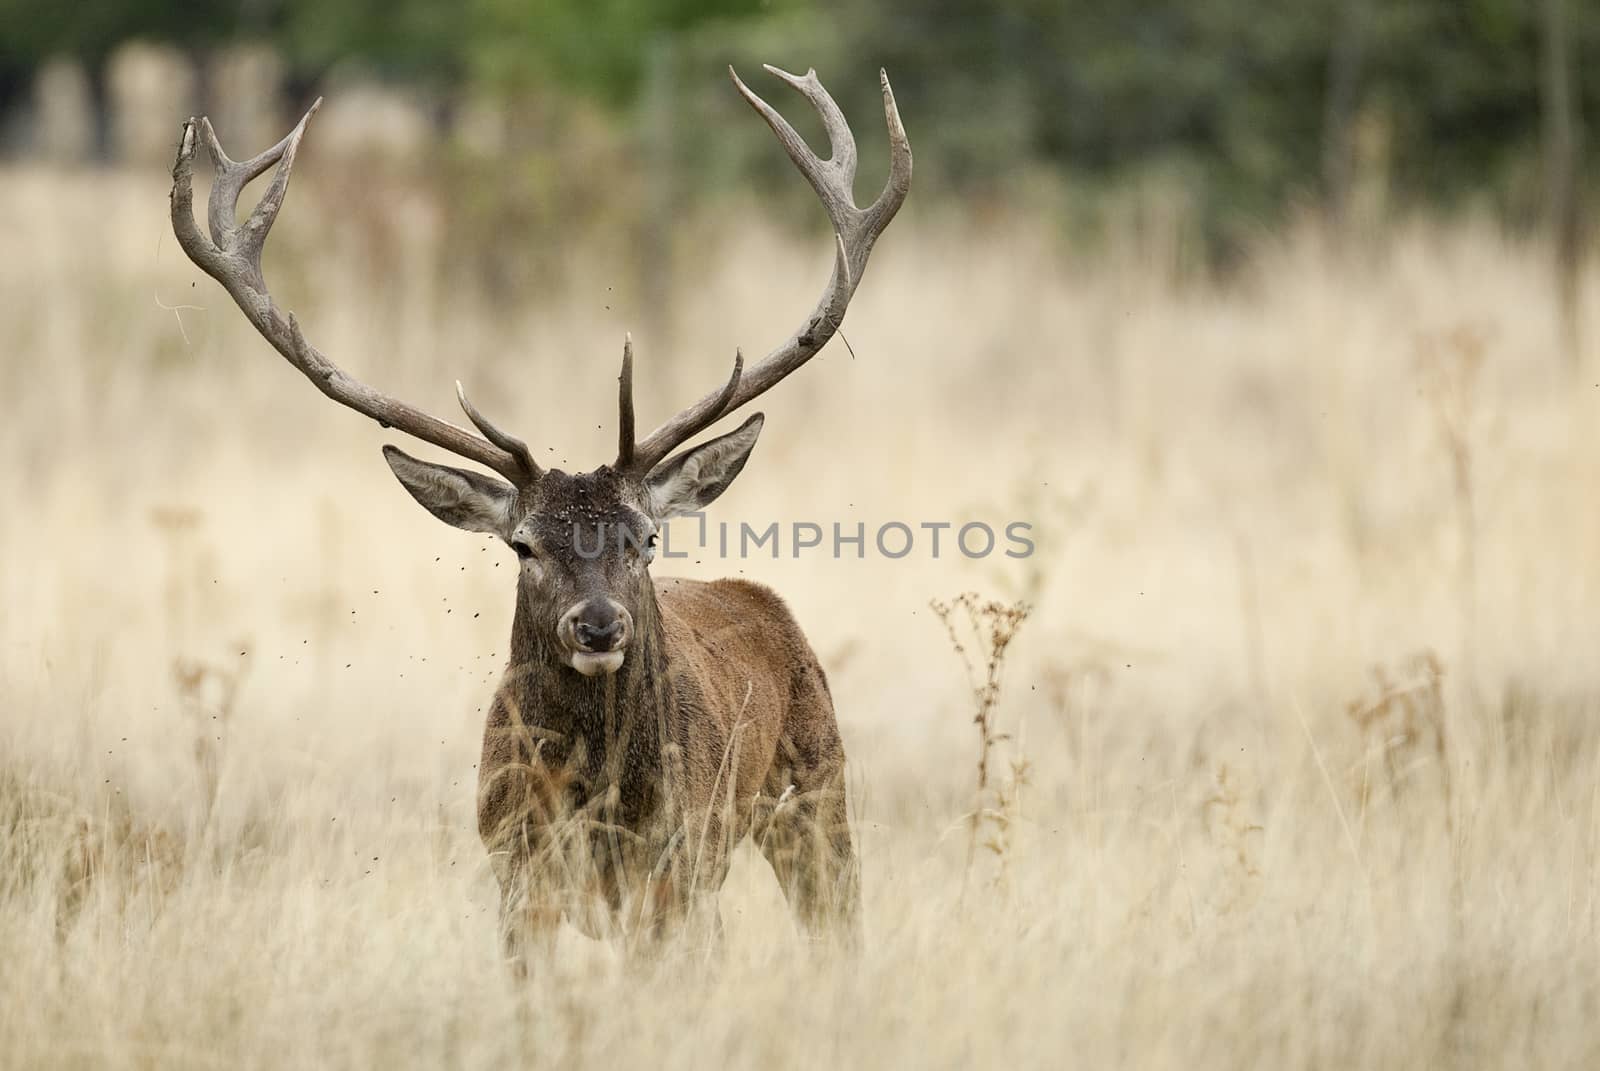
<point>1278,322</point>
<point>1221,119</point>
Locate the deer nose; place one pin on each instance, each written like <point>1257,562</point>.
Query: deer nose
<point>597,626</point>
<point>597,637</point>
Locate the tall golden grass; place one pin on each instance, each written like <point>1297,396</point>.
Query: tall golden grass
<point>1294,757</point>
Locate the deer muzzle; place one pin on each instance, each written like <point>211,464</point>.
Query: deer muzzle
<point>595,633</point>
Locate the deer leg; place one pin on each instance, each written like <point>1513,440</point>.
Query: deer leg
<point>678,898</point>
<point>529,917</point>
<point>807,841</point>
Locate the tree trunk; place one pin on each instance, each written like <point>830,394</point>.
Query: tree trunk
<point>1561,134</point>
<point>1345,60</point>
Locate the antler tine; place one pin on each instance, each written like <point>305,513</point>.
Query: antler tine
<point>232,256</point>
<point>625,407</point>
<point>509,443</point>
<point>643,457</point>
<point>230,181</point>
<point>898,184</point>
<point>856,230</point>
<point>832,178</point>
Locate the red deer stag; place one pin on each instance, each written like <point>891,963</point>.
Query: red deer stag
<point>641,728</point>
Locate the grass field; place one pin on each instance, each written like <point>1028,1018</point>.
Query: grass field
<point>1299,760</point>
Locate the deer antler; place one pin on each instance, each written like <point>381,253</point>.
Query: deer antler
<point>232,256</point>
<point>855,231</point>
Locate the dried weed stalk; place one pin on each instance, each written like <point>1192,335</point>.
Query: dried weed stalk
<point>981,632</point>
<point>1404,721</point>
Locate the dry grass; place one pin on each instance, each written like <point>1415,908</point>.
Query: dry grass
<point>1307,696</point>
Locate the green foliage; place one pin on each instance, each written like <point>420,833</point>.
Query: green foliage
<point>33,30</point>
<point>599,47</point>
<point>410,39</point>
<point>1227,100</point>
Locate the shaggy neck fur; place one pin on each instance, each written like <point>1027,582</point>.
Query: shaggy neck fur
<point>608,727</point>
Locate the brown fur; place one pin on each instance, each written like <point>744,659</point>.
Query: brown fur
<point>614,797</point>
<point>653,775</point>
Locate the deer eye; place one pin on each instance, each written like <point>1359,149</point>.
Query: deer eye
<point>651,542</point>
<point>523,550</point>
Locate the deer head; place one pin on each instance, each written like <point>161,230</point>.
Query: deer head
<point>585,541</point>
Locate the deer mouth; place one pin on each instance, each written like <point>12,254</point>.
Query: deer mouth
<point>595,635</point>
<point>594,663</point>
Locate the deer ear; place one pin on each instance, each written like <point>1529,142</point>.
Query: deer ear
<point>693,479</point>
<point>468,500</point>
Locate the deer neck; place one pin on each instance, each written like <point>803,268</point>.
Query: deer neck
<point>555,696</point>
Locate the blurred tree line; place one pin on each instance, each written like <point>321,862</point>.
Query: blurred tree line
<point>1243,109</point>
